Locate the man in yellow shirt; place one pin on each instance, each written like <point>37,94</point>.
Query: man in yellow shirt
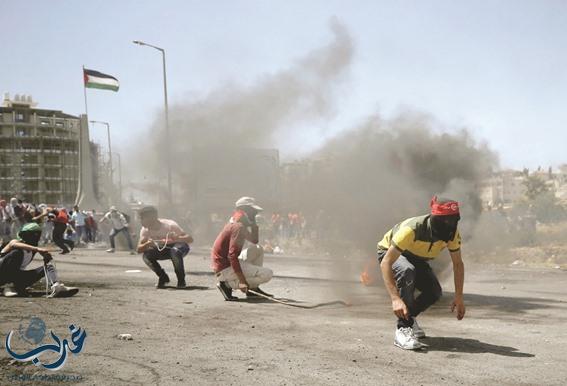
<point>403,254</point>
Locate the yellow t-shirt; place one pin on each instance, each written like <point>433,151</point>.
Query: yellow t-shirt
<point>413,238</point>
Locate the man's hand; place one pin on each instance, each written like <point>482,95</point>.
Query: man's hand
<point>400,309</point>
<point>45,254</point>
<point>243,286</point>
<point>460,306</point>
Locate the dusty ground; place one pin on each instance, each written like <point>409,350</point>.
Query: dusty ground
<point>514,332</point>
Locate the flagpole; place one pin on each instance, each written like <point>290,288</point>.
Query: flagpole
<point>85,91</point>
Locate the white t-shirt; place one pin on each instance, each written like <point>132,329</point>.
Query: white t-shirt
<point>117,220</point>
<point>166,227</point>
<point>79,218</point>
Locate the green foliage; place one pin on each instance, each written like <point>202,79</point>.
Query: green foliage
<point>535,186</point>
<point>541,201</point>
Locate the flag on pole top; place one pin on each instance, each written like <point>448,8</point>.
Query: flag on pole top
<point>95,79</point>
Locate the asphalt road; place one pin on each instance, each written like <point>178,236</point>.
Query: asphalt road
<point>514,332</point>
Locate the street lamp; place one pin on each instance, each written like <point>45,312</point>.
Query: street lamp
<point>119,174</point>
<point>109,147</point>
<point>168,155</point>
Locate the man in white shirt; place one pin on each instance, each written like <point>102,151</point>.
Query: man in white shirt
<point>163,239</point>
<point>79,218</point>
<point>119,224</point>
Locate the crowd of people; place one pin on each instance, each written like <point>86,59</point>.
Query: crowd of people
<point>402,254</point>
<point>66,228</point>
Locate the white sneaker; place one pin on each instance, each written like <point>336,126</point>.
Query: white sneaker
<point>59,290</point>
<point>9,291</point>
<point>417,330</point>
<point>110,250</point>
<point>404,338</point>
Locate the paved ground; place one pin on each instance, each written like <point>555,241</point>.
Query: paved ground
<point>514,332</point>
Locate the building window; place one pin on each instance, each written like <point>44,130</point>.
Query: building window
<point>55,172</point>
<point>23,132</point>
<point>20,117</point>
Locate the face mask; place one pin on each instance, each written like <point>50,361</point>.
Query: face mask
<point>30,238</point>
<point>444,227</point>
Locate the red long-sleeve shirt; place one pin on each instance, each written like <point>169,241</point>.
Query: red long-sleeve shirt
<point>228,245</point>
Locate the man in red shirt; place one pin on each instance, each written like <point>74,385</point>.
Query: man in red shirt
<point>234,267</point>
<point>60,220</point>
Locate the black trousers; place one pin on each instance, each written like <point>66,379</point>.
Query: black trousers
<point>58,232</point>
<point>11,272</point>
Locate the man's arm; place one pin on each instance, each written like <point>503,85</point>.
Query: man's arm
<point>144,242</point>
<point>254,235</point>
<point>103,218</point>
<point>178,234</point>
<point>459,275</point>
<point>398,305</point>
<point>14,244</point>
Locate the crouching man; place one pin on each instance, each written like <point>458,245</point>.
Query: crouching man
<point>403,254</point>
<point>236,268</point>
<point>163,239</point>
<point>18,254</point>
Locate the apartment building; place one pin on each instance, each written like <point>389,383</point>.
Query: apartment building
<point>39,152</point>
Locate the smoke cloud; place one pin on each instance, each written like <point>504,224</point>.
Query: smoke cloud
<point>360,183</point>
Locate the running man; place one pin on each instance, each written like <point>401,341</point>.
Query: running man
<point>403,254</point>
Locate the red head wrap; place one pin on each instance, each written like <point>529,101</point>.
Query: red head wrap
<point>444,208</point>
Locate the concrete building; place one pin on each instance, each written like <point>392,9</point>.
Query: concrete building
<point>503,188</point>
<point>39,153</point>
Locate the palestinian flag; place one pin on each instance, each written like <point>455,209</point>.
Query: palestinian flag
<point>95,79</point>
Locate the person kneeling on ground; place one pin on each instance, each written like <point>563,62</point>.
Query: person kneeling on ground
<point>403,254</point>
<point>17,255</point>
<point>163,239</point>
<point>236,268</point>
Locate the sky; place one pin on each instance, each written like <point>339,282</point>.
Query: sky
<point>498,68</point>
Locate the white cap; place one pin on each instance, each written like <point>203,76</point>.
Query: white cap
<point>247,201</point>
<point>112,208</point>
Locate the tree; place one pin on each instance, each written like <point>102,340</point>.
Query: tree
<point>535,186</point>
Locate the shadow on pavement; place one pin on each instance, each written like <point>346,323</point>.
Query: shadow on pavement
<point>471,346</point>
<point>506,303</point>
<point>188,288</point>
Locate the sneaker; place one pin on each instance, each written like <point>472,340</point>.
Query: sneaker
<point>226,291</point>
<point>163,280</point>
<point>9,291</point>
<point>65,252</point>
<point>110,250</point>
<point>60,290</point>
<point>404,338</point>
<point>132,252</point>
<point>417,330</point>
<point>181,284</point>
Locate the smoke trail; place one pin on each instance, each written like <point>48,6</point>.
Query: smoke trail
<point>256,116</point>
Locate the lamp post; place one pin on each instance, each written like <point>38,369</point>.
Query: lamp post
<point>109,147</point>
<point>119,174</point>
<point>168,154</point>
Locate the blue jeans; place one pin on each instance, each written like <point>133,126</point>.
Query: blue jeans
<point>115,232</point>
<point>174,252</point>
